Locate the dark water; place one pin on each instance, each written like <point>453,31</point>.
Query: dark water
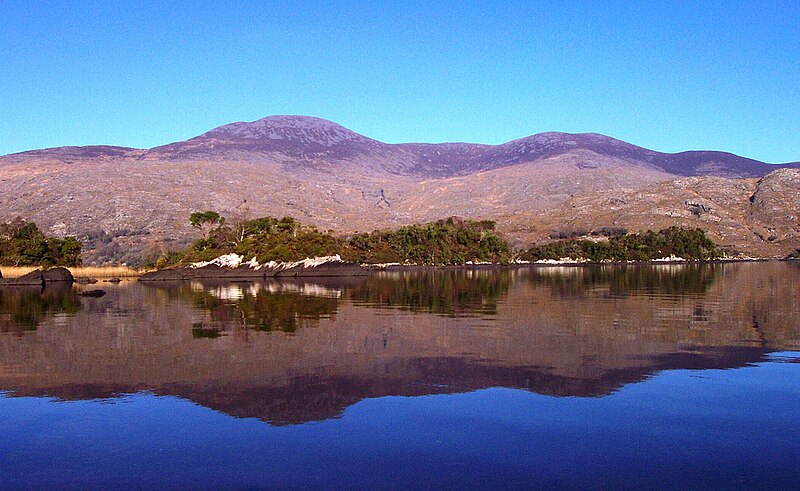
<point>639,377</point>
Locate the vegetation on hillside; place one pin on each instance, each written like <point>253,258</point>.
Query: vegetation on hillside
<point>451,241</point>
<point>685,243</point>
<point>572,232</point>
<point>117,246</point>
<point>23,244</point>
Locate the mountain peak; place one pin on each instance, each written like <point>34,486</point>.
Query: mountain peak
<point>299,129</point>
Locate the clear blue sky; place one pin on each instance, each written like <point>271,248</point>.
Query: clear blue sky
<point>666,75</point>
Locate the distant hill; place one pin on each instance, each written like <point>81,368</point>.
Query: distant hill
<point>127,201</point>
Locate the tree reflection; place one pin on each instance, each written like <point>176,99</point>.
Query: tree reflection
<point>278,306</point>
<point>24,308</point>
<point>450,293</point>
<point>622,281</point>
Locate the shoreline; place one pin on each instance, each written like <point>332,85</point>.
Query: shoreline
<point>554,263</point>
<point>230,273</point>
<point>100,272</point>
<point>338,268</point>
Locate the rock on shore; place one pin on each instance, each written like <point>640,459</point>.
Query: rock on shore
<point>40,278</point>
<point>232,267</point>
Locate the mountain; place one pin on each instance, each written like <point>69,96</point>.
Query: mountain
<point>128,203</point>
<point>306,137</point>
<point>310,138</point>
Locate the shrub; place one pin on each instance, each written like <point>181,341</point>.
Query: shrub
<point>450,241</point>
<point>677,241</point>
<point>569,233</point>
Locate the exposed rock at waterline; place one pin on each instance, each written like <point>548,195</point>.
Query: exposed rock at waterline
<point>92,293</point>
<point>40,278</point>
<point>232,267</point>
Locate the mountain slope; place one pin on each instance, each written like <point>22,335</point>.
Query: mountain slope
<point>758,217</point>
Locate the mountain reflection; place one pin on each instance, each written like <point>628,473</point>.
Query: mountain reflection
<point>293,351</point>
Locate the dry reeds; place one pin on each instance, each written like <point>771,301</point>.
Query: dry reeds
<point>90,271</point>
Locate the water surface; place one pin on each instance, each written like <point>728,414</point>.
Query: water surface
<point>647,376</point>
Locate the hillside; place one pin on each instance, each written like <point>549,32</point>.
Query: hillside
<point>128,203</point>
<point>753,216</point>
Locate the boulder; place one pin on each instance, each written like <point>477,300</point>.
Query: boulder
<point>41,278</point>
<point>92,293</point>
<point>34,278</point>
<point>57,275</point>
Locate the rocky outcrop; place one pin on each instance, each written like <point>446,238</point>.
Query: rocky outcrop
<point>775,206</point>
<point>40,278</point>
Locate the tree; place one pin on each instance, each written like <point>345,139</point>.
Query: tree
<point>203,219</point>
<point>23,244</point>
<point>241,216</point>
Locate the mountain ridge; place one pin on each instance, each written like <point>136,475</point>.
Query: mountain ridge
<point>308,137</point>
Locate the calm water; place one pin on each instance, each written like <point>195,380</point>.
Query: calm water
<point>639,377</point>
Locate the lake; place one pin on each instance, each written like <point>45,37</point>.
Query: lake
<point>652,376</point>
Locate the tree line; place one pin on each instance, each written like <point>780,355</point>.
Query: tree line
<point>681,242</point>
<point>23,244</point>
<point>452,241</point>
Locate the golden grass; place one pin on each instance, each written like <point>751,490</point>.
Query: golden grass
<point>90,271</point>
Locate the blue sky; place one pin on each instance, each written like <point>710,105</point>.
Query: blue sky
<point>665,75</point>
